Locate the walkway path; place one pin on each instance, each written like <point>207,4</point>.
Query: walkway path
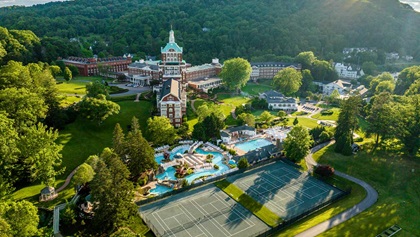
<point>370,199</point>
<point>192,105</point>
<point>67,182</point>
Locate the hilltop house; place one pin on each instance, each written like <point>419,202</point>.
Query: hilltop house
<point>341,86</point>
<point>277,101</point>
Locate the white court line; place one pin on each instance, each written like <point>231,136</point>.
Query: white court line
<point>186,210</point>
<point>164,229</point>
<point>173,216</point>
<point>196,205</point>
<point>183,227</point>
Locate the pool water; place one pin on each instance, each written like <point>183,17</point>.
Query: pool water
<point>160,189</point>
<point>159,158</point>
<point>170,171</point>
<point>168,174</point>
<point>253,145</point>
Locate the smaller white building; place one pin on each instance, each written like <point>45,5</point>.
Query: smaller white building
<point>205,84</point>
<point>341,86</point>
<point>228,134</point>
<point>277,101</point>
<point>346,71</point>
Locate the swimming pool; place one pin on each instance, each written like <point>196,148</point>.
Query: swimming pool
<point>252,145</point>
<point>159,158</point>
<point>160,189</point>
<point>168,174</point>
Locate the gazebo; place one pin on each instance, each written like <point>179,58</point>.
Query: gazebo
<point>47,194</point>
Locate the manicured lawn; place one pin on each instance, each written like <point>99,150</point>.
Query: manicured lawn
<point>357,195</point>
<point>249,203</point>
<point>82,139</point>
<point>397,181</point>
<point>306,122</point>
<point>234,100</point>
<point>254,89</point>
<point>333,116</point>
<point>73,87</point>
<point>31,194</point>
<point>257,113</point>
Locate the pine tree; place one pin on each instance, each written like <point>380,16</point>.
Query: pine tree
<point>118,141</point>
<point>140,153</point>
<point>112,191</point>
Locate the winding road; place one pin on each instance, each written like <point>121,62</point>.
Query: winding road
<point>370,199</point>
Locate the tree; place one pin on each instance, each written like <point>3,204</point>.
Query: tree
<point>160,131</point>
<point>297,143</point>
<point>266,117</point>
<point>141,156</point>
<point>248,119</point>
<point>381,116</point>
<point>407,128</point>
<point>283,117</point>
<point>369,68</point>
<point>235,73</point>
<point>23,106</point>
<point>296,121</point>
<point>305,59</point>
<point>407,77</point>
<point>307,83</point>
<point>8,154</point>
<point>199,132</point>
<point>243,163</point>
<point>84,174</point>
<point>384,77</point>
<point>346,124</point>
<point>323,71</point>
<point>95,89</point>
<point>113,192</point>
<point>118,141</point>
<point>385,86</point>
<point>20,218</point>
<point>206,109</point>
<point>67,74</point>
<point>55,70</point>
<point>40,154</point>
<point>288,81</point>
<point>213,125</point>
<point>414,89</point>
<point>98,109</point>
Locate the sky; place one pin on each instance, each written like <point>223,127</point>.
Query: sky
<point>414,3</point>
<point>3,3</point>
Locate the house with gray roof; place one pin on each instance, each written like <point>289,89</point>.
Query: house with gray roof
<point>277,101</point>
<point>235,132</point>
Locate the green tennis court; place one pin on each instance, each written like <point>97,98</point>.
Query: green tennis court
<point>284,190</point>
<point>205,211</point>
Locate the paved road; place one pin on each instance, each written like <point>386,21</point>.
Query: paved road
<point>132,90</point>
<point>370,199</point>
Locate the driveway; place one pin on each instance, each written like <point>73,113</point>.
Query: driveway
<point>370,199</point>
<point>132,90</point>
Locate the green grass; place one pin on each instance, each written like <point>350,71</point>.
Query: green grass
<point>254,89</point>
<point>257,113</point>
<point>391,175</point>
<point>249,203</point>
<point>306,122</point>
<point>82,139</point>
<point>333,116</point>
<point>356,196</point>
<point>72,87</point>
<point>31,194</point>
<point>234,100</point>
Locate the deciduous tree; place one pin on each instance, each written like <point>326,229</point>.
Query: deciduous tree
<point>84,174</point>
<point>235,73</point>
<point>160,131</point>
<point>297,143</point>
<point>67,74</point>
<point>346,124</point>
<point>288,81</point>
<point>381,116</point>
<point>20,218</point>
<point>246,118</point>
<point>98,109</point>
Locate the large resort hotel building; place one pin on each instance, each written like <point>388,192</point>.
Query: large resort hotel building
<point>91,66</point>
<point>267,70</point>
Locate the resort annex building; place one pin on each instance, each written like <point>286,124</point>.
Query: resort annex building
<point>90,66</point>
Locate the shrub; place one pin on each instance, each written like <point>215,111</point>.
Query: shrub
<point>243,163</point>
<point>232,166</point>
<point>327,112</point>
<point>223,146</point>
<point>184,183</point>
<point>232,152</point>
<point>324,170</point>
<point>143,181</point>
<point>216,167</point>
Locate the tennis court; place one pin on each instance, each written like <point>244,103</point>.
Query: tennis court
<point>206,211</point>
<point>284,190</point>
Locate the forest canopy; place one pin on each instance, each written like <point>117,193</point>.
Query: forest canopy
<point>215,28</point>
